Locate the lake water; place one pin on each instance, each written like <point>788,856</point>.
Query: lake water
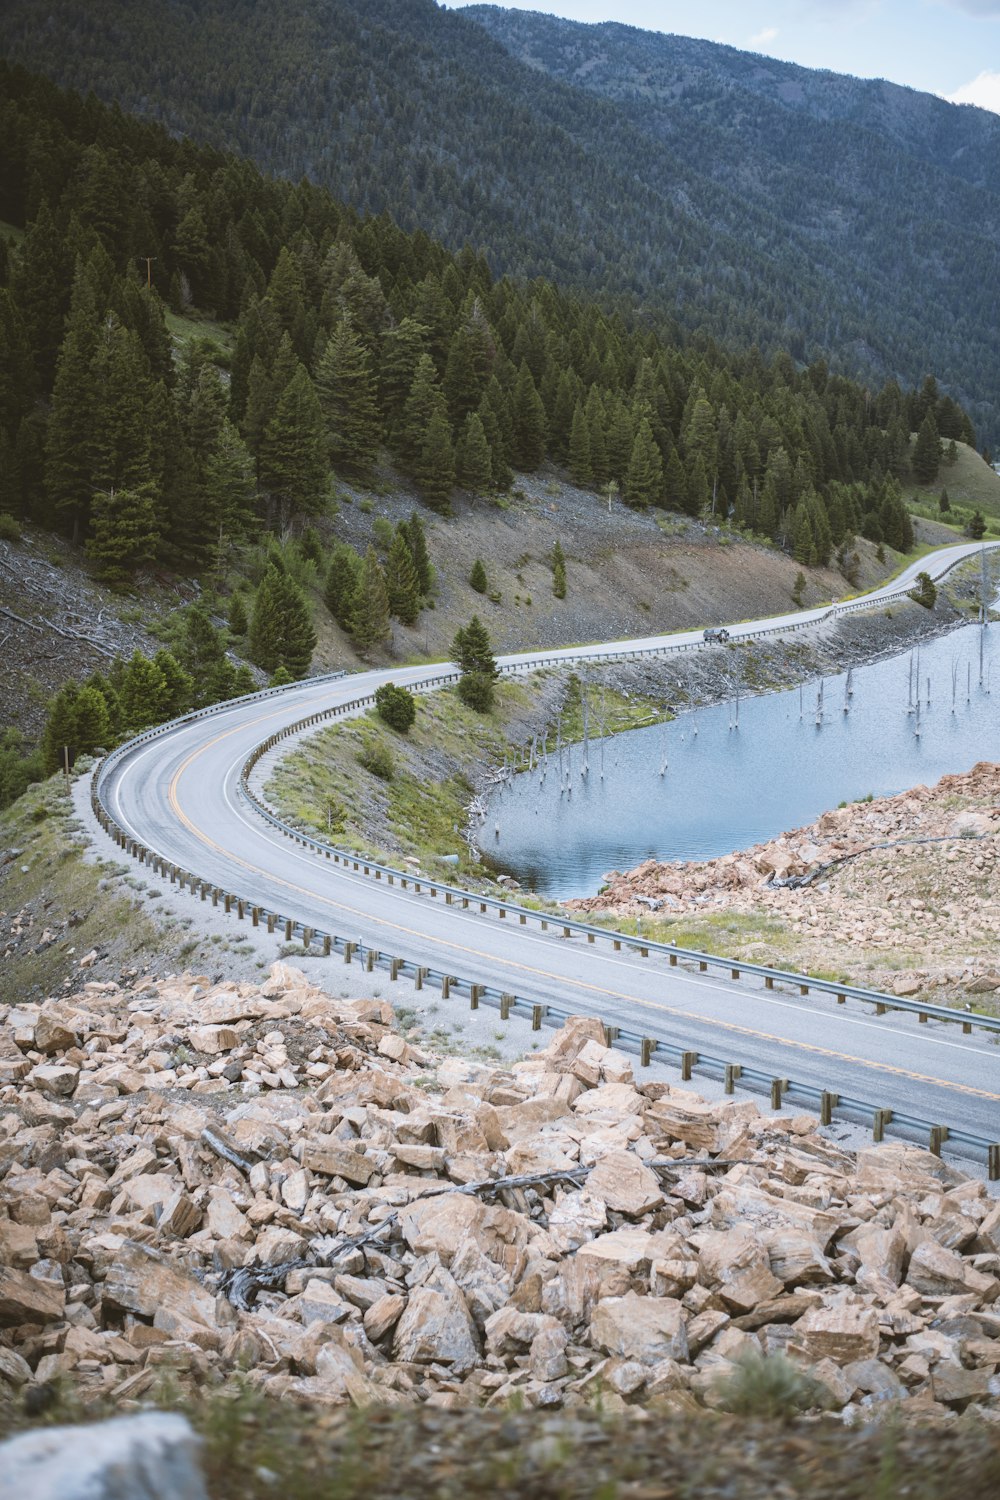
<point>726,787</point>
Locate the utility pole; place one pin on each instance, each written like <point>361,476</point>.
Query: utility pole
<point>149,270</point>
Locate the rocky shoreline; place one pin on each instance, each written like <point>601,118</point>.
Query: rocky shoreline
<point>199,1179</point>
<point>913,880</point>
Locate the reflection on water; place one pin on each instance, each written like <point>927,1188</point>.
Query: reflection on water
<point>723,788</point>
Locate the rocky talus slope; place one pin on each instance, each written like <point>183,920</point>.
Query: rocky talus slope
<point>903,890</point>
<point>207,1178</point>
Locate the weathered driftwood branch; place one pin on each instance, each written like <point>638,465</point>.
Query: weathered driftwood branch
<point>243,1284</point>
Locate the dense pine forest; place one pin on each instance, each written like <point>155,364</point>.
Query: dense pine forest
<point>751,200</point>
<point>355,348</point>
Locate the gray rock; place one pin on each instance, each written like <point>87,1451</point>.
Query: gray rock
<point>153,1456</point>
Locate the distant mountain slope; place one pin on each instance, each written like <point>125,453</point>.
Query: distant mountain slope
<point>748,199</point>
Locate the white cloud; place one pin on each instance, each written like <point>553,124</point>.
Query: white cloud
<point>763,37</point>
<point>984,91</point>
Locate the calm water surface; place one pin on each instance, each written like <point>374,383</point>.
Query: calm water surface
<point>726,787</point>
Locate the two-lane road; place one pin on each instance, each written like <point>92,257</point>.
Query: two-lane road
<point>178,794</point>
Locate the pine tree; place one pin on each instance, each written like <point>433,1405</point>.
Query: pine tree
<point>370,620</point>
<point>124,533</point>
<point>675,483</point>
<point>342,574</point>
<point>529,422</point>
<point>423,402</point>
<point>142,694</point>
<point>421,557</point>
<point>292,455</point>
<point>59,734</point>
<point>91,721</point>
<point>228,484</point>
<point>281,632</point>
<point>401,581</point>
<point>473,465</point>
<point>477,578</point>
<point>239,622</point>
<point>558,571</point>
<point>178,692</point>
<point>644,479</point>
<point>579,449</point>
<point>345,386</point>
<point>434,471</point>
<point>472,650</point>
<point>927,451</point>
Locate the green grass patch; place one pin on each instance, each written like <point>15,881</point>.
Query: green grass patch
<point>186,328</point>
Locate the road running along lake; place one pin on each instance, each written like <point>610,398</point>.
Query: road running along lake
<point>702,785</point>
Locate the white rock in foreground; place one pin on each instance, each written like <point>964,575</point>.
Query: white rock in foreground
<point>149,1457</point>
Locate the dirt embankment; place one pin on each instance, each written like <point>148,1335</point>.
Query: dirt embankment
<point>904,893</point>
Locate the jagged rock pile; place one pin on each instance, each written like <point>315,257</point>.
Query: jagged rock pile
<point>933,891</point>
<point>205,1179</point>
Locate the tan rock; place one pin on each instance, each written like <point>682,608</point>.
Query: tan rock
<point>436,1326</point>
<point>213,1039</point>
<point>145,1282</point>
<point>842,1331</point>
<point>625,1184</point>
<point>937,1272</point>
<point>383,1315</point>
<point>647,1329</point>
<point>335,1160</point>
<point>735,1261</point>
<point>58,1079</point>
<point>26,1299</point>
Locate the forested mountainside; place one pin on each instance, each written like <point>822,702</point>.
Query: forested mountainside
<point>753,201</point>
<point>352,347</point>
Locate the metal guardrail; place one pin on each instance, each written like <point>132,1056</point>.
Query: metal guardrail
<point>826,1101</point>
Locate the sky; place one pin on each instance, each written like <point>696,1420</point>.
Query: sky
<point>946,47</point>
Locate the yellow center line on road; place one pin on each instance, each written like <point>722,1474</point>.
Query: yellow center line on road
<point>538,973</point>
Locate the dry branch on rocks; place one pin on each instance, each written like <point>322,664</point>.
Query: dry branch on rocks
<point>211,1178</point>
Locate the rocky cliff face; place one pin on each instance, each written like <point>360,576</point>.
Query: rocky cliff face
<point>217,1177</point>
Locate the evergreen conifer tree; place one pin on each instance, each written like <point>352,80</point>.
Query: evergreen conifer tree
<point>477,578</point>
<point>401,581</point>
<point>292,455</point>
<point>927,451</point>
<point>579,449</point>
<point>558,571</point>
<point>434,470</point>
<point>124,532</point>
<point>529,422</point>
<point>345,386</point>
<point>342,574</point>
<point>473,465</point>
<point>421,557</point>
<point>644,479</point>
<point>370,619</point>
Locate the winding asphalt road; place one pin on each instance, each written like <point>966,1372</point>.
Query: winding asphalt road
<point>178,794</point>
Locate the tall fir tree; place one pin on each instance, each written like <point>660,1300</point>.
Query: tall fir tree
<point>579,449</point>
<point>124,532</point>
<point>529,422</point>
<point>644,479</point>
<point>417,538</point>
<point>401,581</point>
<point>473,465</point>
<point>342,574</point>
<point>434,471</point>
<point>346,389</point>
<point>292,457</point>
<point>370,625</point>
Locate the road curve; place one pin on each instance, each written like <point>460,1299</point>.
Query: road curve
<point>176,791</point>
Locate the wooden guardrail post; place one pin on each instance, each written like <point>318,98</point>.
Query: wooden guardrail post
<point>227,903</point>
<point>327,943</point>
<point>778,1086</point>
<point>734,973</point>
<point>882,1119</point>
<point>370,957</point>
<point>506,1001</point>
<point>288,929</point>
<point>348,952</point>
<point>255,916</point>
<point>419,977</point>
<point>536,1017</point>
<point>733,1071</point>
<point>475,990</point>
<point>646,1049</point>
<point>938,1135</point>
<point>394,964</point>
<point>827,1104</point>
<point>270,921</point>
<point>689,1060</point>
<point>993,1162</point>
<point>768,982</point>
<point>445,986</point>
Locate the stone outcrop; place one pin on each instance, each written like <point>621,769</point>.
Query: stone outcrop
<point>237,1177</point>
